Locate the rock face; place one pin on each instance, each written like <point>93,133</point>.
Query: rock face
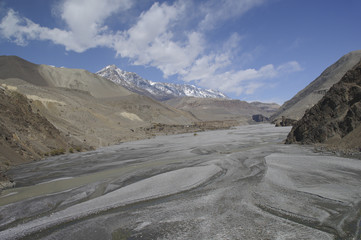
<point>285,122</point>
<point>260,118</point>
<point>156,90</point>
<point>310,95</point>
<point>24,134</point>
<point>336,119</point>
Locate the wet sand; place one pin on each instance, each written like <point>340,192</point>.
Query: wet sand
<point>241,183</point>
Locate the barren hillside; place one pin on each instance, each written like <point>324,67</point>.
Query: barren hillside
<point>85,106</point>
<point>336,119</point>
<point>310,95</point>
<point>208,109</point>
<point>26,135</point>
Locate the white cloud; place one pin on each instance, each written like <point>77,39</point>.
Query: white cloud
<point>21,30</point>
<point>216,11</point>
<point>150,41</point>
<point>16,30</point>
<point>85,18</point>
<point>156,39</point>
<point>247,81</point>
<point>289,67</point>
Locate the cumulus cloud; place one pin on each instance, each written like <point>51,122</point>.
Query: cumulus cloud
<point>150,41</point>
<point>84,19</point>
<point>157,38</point>
<point>21,30</point>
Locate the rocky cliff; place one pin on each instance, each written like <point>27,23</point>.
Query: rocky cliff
<point>310,95</point>
<point>336,118</point>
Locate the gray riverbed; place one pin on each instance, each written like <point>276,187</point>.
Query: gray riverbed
<point>241,183</point>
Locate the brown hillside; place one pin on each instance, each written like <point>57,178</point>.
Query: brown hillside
<point>15,67</point>
<point>25,135</point>
<point>86,107</point>
<point>217,109</point>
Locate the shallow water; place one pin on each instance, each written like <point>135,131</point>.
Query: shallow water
<point>241,183</point>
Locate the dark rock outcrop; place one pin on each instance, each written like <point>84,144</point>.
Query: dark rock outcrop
<point>296,107</point>
<point>336,117</point>
<point>260,118</point>
<point>284,122</point>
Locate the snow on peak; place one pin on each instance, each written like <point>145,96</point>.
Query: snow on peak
<point>157,90</point>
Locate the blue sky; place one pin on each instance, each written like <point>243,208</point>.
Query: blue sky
<point>253,50</point>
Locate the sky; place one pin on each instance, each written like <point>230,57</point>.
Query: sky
<point>252,50</point>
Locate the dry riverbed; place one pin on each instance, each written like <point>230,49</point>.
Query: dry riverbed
<point>241,183</point>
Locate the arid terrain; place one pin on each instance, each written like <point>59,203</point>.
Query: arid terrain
<point>241,183</point>
<point>119,165</point>
<point>180,120</point>
<point>91,112</point>
<point>49,111</point>
<point>210,109</point>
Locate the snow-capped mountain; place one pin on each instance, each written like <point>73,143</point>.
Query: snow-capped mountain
<point>157,90</point>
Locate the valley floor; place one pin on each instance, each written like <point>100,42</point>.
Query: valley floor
<point>241,183</point>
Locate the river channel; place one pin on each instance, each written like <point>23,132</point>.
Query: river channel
<point>241,183</point>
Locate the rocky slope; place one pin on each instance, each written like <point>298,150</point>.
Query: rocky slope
<point>156,90</point>
<point>26,135</point>
<point>309,96</point>
<point>336,118</point>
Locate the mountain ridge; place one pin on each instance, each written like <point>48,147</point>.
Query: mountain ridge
<point>312,93</point>
<point>157,90</point>
<point>336,119</point>
<point>207,109</point>
<point>86,106</point>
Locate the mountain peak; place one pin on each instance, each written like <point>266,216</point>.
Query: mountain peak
<point>110,67</point>
<point>157,90</point>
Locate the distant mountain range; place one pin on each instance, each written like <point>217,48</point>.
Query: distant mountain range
<point>86,110</point>
<point>156,90</point>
